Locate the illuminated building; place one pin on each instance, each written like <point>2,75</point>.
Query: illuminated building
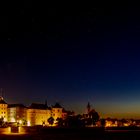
<point>3,109</point>
<point>111,122</point>
<point>35,114</point>
<point>64,113</point>
<point>17,113</point>
<point>38,114</point>
<point>108,123</point>
<point>57,111</point>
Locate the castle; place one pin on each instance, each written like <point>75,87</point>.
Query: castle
<point>35,114</point>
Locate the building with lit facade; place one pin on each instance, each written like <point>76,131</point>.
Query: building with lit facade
<point>38,114</point>
<point>3,109</point>
<point>17,113</point>
<point>57,111</point>
<point>35,114</point>
<point>65,113</point>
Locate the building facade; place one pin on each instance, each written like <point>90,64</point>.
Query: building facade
<point>57,111</point>
<point>35,114</point>
<point>3,109</point>
<point>17,113</point>
<point>38,114</point>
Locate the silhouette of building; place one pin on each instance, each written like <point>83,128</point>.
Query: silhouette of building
<point>88,108</point>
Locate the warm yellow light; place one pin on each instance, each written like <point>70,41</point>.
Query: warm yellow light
<point>19,129</point>
<point>6,130</point>
<point>5,120</point>
<point>20,121</point>
<point>13,120</point>
<point>108,124</point>
<point>9,129</point>
<point>126,124</point>
<point>28,123</point>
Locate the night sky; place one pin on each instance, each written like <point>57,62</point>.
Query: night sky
<point>72,56</point>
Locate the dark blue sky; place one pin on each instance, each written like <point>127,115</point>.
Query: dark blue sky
<point>73,56</point>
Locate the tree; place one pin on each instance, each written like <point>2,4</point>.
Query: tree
<point>51,120</point>
<point>88,121</point>
<point>74,121</point>
<point>24,122</point>
<point>1,121</point>
<point>94,116</point>
<point>60,122</point>
<point>43,123</point>
<point>102,122</point>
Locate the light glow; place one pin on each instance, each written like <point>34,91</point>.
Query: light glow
<point>28,123</point>
<point>20,121</point>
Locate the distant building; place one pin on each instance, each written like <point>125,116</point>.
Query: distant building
<point>38,114</point>
<point>111,122</point>
<point>64,113</point>
<point>17,113</point>
<point>3,109</point>
<point>67,113</point>
<point>57,111</point>
<point>88,108</point>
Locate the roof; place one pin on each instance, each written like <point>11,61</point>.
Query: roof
<point>16,105</point>
<point>2,101</point>
<point>57,105</point>
<point>49,108</point>
<point>64,111</point>
<point>38,106</point>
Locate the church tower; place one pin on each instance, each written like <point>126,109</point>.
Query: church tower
<point>88,108</point>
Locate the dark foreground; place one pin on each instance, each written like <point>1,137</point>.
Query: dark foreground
<point>76,134</point>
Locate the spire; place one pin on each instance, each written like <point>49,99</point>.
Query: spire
<point>88,107</point>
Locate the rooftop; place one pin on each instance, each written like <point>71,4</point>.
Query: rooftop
<point>16,105</point>
<point>38,106</point>
<point>2,101</point>
<point>57,105</point>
